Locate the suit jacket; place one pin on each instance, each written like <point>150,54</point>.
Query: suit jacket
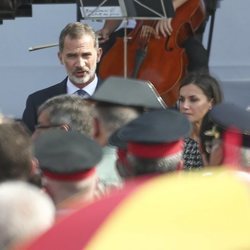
<point>34,100</point>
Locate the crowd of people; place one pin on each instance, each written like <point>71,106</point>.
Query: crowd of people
<point>86,138</point>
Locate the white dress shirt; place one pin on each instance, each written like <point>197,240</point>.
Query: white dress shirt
<point>90,88</point>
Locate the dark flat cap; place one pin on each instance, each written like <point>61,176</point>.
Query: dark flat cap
<point>228,116</point>
<point>159,126</point>
<point>61,152</point>
<point>153,134</point>
<point>153,127</point>
<point>128,92</point>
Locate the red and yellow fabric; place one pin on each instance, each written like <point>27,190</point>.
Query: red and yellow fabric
<point>178,211</point>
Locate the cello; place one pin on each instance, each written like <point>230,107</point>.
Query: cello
<point>162,61</point>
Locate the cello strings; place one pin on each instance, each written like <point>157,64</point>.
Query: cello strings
<point>148,8</point>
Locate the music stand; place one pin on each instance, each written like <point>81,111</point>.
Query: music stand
<point>125,10</point>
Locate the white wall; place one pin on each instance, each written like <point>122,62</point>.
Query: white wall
<point>23,72</point>
<point>230,47</point>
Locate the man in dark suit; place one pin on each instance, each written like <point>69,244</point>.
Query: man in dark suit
<point>79,52</point>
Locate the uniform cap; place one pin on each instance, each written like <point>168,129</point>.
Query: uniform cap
<point>66,155</point>
<point>230,117</point>
<point>154,134</point>
<point>128,92</point>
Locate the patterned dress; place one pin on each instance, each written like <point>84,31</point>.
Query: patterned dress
<point>192,155</point>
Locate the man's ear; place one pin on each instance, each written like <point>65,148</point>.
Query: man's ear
<point>124,168</point>
<point>59,55</point>
<point>97,128</point>
<point>34,166</point>
<point>99,134</point>
<point>99,54</point>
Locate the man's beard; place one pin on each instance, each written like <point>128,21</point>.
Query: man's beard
<point>89,76</point>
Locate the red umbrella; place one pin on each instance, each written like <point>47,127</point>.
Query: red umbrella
<point>179,211</point>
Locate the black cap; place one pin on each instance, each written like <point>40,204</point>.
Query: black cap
<point>64,154</point>
<point>229,116</point>
<point>128,92</point>
<point>154,128</point>
<point>159,126</point>
<point>232,125</point>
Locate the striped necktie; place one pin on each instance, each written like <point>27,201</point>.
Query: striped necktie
<point>82,93</point>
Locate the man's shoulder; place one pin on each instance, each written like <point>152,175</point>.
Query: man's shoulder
<point>56,89</point>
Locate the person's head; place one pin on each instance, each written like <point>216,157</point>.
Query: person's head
<point>79,52</point>
<point>68,161</point>
<point>16,156</point>
<point>225,136</point>
<point>25,213</point>
<point>120,100</point>
<point>68,112</point>
<point>198,93</point>
<point>151,143</point>
<point>110,117</point>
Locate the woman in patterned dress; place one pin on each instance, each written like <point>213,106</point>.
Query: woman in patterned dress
<point>198,93</point>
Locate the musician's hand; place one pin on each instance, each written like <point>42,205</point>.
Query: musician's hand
<point>103,35</point>
<point>109,27</point>
<point>147,32</point>
<point>164,27</point>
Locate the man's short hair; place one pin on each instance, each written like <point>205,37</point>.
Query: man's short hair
<point>142,166</point>
<point>71,110</point>
<point>77,30</point>
<point>15,151</point>
<point>114,116</point>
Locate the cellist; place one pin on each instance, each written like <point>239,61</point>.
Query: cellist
<point>196,53</point>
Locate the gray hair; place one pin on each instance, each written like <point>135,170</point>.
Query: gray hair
<point>77,30</point>
<point>25,212</point>
<point>114,116</point>
<point>71,110</point>
<point>143,166</point>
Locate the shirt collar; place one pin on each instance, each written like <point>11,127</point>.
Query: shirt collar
<point>90,88</point>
